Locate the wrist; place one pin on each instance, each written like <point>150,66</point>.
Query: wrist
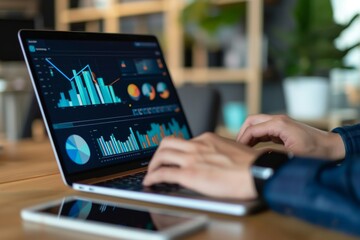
<point>248,189</point>
<point>335,147</point>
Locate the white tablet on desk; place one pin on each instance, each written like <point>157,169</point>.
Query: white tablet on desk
<point>113,219</point>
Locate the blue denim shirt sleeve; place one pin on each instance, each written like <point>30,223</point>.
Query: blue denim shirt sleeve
<point>322,192</point>
<point>351,138</point>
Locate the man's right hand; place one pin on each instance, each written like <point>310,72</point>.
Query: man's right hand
<point>297,138</point>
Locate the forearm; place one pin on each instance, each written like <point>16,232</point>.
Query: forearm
<point>316,191</point>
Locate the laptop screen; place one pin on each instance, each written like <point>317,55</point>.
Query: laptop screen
<point>107,102</point>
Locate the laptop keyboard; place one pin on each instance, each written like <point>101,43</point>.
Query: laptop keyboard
<point>134,182</point>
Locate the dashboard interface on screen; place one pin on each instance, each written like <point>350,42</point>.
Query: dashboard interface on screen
<point>107,102</point>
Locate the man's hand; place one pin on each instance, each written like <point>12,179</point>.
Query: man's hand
<point>208,164</point>
<point>297,138</point>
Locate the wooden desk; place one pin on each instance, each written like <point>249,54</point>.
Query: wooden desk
<point>28,159</point>
<point>28,176</point>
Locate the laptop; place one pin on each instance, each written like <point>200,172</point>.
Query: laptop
<point>107,101</point>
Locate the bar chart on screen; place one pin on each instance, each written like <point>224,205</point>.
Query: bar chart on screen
<point>113,146</point>
<point>85,88</point>
<point>142,137</point>
<point>152,138</point>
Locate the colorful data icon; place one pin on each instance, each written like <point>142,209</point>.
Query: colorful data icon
<point>148,91</point>
<point>163,91</point>
<point>133,92</point>
<point>77,149</point>
<point>160,64</point>
<point>148,66</point>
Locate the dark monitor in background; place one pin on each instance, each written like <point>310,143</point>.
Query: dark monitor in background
<point>9,46</point>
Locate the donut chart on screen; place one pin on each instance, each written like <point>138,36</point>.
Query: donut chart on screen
<point>163,91</point>
<point>80,209</point>
<point>133,92</point>
<point>148,91</point>
<point>77,149</point>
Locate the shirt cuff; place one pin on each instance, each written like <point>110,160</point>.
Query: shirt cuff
<point>305,188</point>
<point>351,138</point>
<point>283,191</point>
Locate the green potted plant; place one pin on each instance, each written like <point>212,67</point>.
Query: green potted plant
<point>203,20</point>
<point>310,53</point>
<point>216,26</point>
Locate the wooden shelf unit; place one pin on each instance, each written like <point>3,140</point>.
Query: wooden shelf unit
<point>112,12</point>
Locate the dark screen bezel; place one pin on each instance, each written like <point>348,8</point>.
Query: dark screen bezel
<point>25,35</point>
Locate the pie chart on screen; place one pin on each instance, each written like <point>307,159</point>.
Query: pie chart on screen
<point>162,89</point>
<point>80,209</point>
<point>148,91</point>
<point>133,92</point>
<point>77,149</point>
